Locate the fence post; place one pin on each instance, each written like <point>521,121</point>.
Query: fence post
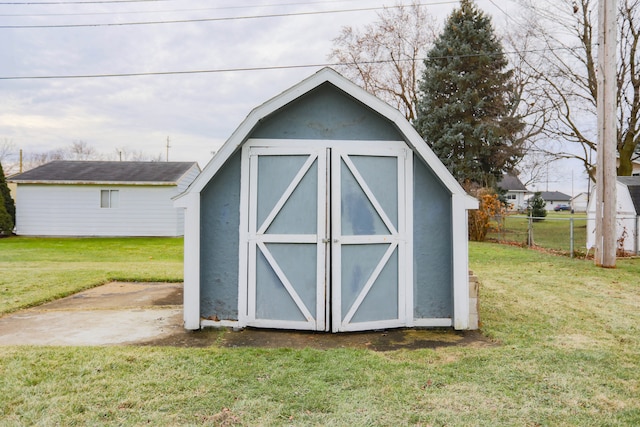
<point>530,230</point>
<point>571,236</point>
<point>637,235</point>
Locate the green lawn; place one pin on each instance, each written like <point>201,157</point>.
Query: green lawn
<point>568,354</point>
<point>553,232</point>
<point>36,270</point>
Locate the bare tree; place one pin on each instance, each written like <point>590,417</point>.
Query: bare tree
<point>77,150</point>
<point>564,61</point>
<point>531,105</point>
<point>533,169</point>
<point>385,57</point>
<point>8,151</point>
<point>80,150</point>
<point>34,159</point>
<point>125,154</point>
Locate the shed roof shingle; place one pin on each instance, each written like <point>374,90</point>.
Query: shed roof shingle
<point>103,171</point>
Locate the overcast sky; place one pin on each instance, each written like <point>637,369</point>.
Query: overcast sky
<point>198,112</point>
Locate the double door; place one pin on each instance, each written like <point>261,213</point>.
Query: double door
<point>324,241</point>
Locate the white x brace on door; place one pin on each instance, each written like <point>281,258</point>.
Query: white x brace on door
<point>325,229</point>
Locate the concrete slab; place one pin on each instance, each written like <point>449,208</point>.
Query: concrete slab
<point>115,313</point>
<point>89,327</point>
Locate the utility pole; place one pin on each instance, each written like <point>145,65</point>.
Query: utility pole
<point>605,252</point>
<point>168,146</point>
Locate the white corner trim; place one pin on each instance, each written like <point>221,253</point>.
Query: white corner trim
<point>191,292</point>
<point>460,262</point>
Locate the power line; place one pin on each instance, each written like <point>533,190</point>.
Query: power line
<point>165,73</point>
<point>246,69</point>
<point>234,18</point>
<point>31,3</point>
<point>26,15</point>
<point>184,21</point>
<point>502,10</point>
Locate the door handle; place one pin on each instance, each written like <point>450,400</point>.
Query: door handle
<point>329,240</point>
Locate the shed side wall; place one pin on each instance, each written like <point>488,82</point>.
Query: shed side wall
<point>220,239</point>
<point>433,246</point>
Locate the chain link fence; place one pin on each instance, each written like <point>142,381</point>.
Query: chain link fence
<point>571,234</point>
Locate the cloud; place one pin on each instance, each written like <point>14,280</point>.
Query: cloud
<point>197,111</point>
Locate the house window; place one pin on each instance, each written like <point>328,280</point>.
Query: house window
<point>109,198</point>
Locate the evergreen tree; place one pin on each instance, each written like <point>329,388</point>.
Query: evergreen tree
<point>465,108</point>
<point>6,224</point>
<point>6,206</point>
<point>537,207</point>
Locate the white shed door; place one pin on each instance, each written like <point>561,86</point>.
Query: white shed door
<point>327,236</point>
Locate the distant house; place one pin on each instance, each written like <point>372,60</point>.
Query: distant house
<point>98,198</point>
<point>555,198</point>
<point>516,192</point>
<point>627,214</point>
<point>579,202</point>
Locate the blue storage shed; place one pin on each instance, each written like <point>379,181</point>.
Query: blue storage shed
<point>326,211</point>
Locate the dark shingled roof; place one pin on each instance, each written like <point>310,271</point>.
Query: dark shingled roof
<point>511,183</point>
<point>633,184</point>
<point>98,171</point>
<point>555,196</point>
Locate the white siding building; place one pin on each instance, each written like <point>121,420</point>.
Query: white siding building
<point>579,203</point>
<point>627,215</point>
<point>516,192</point>
<point>555,198</point>
<point>90,198</point>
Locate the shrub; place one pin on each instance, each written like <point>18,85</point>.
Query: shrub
<point>488,216</point>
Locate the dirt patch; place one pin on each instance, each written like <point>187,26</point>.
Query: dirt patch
<point>393,339</point>
<point>183,338</point>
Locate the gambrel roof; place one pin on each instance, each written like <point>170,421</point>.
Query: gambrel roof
<point>329,76</point>
<point>633,185</point>
<point>105,172</point>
